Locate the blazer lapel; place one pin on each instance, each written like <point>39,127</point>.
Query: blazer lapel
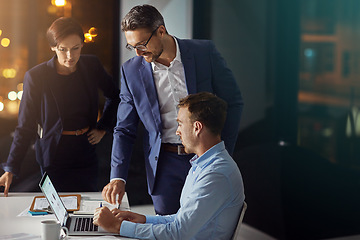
<point>188,60</point>
<point>147,81</point>
<point>54,86</point>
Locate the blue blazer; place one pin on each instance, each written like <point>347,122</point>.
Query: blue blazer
<point>205,70</point>
<point>42,107</point>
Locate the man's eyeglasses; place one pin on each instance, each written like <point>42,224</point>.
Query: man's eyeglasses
<point>141,47</point>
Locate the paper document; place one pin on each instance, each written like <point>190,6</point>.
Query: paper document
<point>69,202</point>
<point>89,206</point>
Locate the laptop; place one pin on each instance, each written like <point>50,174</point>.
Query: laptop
<point>76,224</point>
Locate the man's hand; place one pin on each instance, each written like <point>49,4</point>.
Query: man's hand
<point>6,180</point>
<point>105,219</point>
<point>129,216</point>
<point>95,136</point>
<point>112,189</point>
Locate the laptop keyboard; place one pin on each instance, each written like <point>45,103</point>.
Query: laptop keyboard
<point>84,225</point>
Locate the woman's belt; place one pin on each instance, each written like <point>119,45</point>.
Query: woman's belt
<point>76,132</point>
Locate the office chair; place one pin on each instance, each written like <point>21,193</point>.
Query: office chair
<point>237,229</point>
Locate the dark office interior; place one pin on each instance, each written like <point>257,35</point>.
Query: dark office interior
<point>297,64</point>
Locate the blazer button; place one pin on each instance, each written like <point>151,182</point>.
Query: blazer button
<point>156,158</point>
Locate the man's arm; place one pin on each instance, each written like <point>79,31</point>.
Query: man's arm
<point>111,220</point>
<point>105,218</point>
<point>124,137</point>
<point>203,203</point>
<point>129,216</point>
<point>113,189</point>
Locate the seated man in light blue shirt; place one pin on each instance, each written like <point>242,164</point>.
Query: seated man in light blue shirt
<point>213,194</point>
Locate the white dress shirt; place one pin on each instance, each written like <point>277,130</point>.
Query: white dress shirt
<point>171,87</point>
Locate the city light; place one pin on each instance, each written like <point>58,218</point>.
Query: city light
<point>9,73</point>
<point>93,32</point>
<point>19,95</point>
<point>12,96</point>
<point>5,42</point>
<point>90,35</point>
<point>20,86</point>
<point>0,32</point>
<point>1,106</point>
<point>60,7</point>
<point>12,107</point>
<point>58,3</point>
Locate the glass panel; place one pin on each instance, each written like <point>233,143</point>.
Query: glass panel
<point>23,25</point>
<point>329,86</point>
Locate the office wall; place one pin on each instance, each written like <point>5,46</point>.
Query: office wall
<point>177,15</point>
<point>239,30</point>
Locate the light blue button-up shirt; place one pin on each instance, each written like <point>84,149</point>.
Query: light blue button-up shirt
<point>210,202</point>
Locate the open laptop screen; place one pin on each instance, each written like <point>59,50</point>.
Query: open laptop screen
<point>53,198</point>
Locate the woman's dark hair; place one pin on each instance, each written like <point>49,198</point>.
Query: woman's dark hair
<point>62,28</point>
<point>206,108</point>
<point>142,16</point>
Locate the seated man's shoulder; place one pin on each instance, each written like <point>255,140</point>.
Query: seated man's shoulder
<point>223,165</point>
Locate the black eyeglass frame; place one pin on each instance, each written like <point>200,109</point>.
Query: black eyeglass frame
<point>141,47</point>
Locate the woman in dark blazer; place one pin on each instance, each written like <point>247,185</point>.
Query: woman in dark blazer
<point>59,108</point>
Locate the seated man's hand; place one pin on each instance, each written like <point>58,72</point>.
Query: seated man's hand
<point>105,219</point>
<point>129,216</point>
<point>112,189</point>
<point>6,180</point>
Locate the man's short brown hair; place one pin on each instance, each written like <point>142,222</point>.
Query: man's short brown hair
<point>206,108</point>
<point>142,16</point>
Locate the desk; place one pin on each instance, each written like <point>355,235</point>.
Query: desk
<point>12,206</point>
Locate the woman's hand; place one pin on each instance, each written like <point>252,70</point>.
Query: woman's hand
<point>5,180</point>
<point>95,136</point>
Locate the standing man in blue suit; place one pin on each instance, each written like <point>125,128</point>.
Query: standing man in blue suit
<point>165,70</point>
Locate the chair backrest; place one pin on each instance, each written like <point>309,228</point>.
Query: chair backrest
<point>237,229</point>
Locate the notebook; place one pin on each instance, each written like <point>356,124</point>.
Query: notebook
<point>77,225</point>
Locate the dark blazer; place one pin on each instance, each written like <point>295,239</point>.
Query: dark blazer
<point>205,70</point>
<point>42,107</point>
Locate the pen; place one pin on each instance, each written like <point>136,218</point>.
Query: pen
<point>118,206</point>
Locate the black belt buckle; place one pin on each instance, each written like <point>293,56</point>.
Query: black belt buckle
<point>181,150</point>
